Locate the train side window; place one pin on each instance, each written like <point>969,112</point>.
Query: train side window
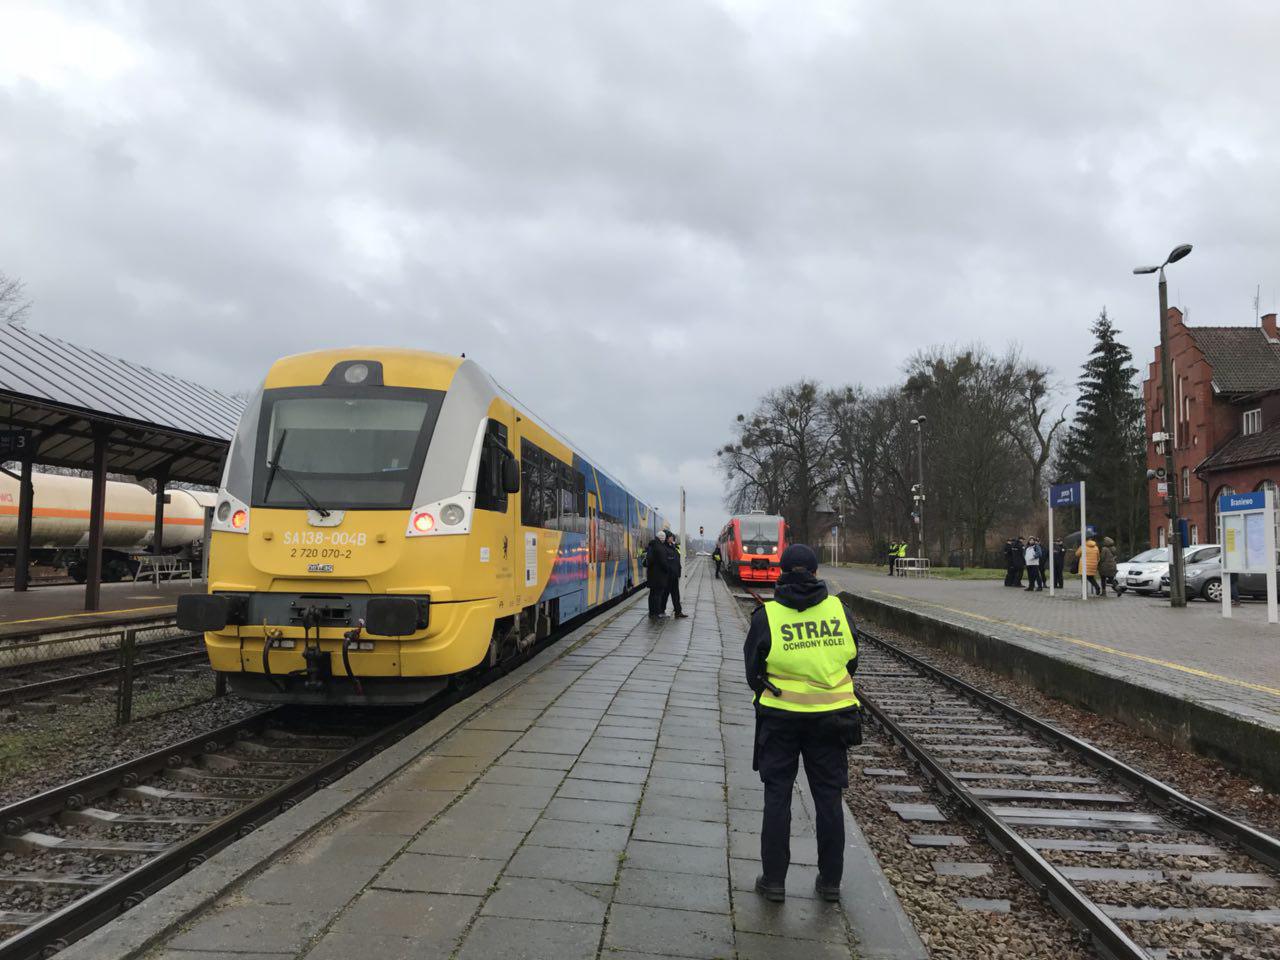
<point>530,494</point>
<point>493,451</point>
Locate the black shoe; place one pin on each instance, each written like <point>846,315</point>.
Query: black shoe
<point>827,891</point>
<point>773,892</point>
<point>682,616</point>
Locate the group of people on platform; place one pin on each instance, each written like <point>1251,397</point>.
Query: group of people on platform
<point>897,553</point>
<point>662,565</point>
<point>1027,555</point>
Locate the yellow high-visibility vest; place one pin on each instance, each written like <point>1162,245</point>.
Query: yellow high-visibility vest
<point>809,656</point>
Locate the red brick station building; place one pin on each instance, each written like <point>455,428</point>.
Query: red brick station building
<point>1226,394</point>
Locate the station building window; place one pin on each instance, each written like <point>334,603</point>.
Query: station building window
<point>1186,484</point>
<point>1221,492</point>
<point>1252,421</point>
<point>1195,534</point>
<point>1160,536</point>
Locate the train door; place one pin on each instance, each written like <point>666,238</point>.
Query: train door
<point>593,550</point>
<point>496,528</point>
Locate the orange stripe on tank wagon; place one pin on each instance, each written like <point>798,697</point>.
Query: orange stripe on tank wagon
<point>54,513</point>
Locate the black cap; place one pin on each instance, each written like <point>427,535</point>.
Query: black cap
<point>799,555</point>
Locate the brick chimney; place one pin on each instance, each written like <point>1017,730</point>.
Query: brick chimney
<point>1269,326</point>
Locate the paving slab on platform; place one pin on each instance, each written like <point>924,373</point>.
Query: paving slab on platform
<point>597,803</point>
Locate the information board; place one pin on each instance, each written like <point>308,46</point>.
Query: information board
<point>1246,531</point>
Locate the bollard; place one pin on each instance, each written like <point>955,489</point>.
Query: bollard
<point>124,691</point>
<point>220,684</point>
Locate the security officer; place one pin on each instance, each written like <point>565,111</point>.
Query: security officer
<point>800,657</point>
<point>893,555</point>
<point>716,558</point>
<point>656,567</point>
<point>902,555</point>
<point>673,577</point>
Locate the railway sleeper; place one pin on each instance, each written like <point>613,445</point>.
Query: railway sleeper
<point>95,817</point>
<point>34,842</point>
<point>145,792</point>
<point>197,775</point>
<point>254,747</point>
<point>15,920</point>
<point>69,881</point>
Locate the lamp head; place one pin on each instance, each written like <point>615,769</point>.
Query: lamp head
<point>922,418</point>
<point>915,423</point>
<point>1145,269</point>
<point>1179,252</point>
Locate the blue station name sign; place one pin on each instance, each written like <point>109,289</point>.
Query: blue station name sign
<point>1236,502</point>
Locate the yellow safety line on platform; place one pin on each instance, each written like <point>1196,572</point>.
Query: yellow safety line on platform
<point>85,613</point>
<point>1169,664</point>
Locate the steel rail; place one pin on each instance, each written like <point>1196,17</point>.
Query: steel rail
<point>1107,936</point>
<point>81,916</point>
<point>1261,846</point>
<point>39,689</point>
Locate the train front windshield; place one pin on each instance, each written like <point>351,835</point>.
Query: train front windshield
<point>759,535</point>
<point>343,447</point>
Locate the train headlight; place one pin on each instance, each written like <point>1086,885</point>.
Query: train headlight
<point>239,519</point>
<point>452,514</point>
<point>423,522</point>
<point>356,373</point>
<point>224,510</point>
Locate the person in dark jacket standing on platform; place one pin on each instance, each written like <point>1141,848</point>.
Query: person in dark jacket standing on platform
<point>1107,566</point>
<point>800,657</point>
<point>655,561</point>
<point>672,548</point>
<point>1008,563</point>
<point>717,558</point>
<point>1059,558</point>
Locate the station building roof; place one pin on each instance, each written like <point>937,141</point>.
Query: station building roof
<point>154,423</point>
<point>1244,359</point>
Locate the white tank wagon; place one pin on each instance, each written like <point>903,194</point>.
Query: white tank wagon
<point>60,522</point>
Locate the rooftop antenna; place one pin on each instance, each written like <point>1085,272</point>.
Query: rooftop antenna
<point>1257,310</point>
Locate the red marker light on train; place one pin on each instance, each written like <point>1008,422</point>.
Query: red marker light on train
<point>423,522</point>
<point>239,518</point>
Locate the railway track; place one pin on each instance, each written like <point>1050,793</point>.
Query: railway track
<point>68,677</point>
<point>78,855</point>
<point>1129,861</point>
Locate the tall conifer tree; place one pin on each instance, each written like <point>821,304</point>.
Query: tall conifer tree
<point>1106,446</point>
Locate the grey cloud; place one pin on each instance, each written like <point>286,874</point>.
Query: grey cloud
<point>641,216</point>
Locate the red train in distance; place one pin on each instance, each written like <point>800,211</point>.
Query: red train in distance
<point>751,547</point>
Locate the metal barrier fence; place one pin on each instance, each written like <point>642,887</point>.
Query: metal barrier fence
<point>32,648</point>
<point>913,567</point>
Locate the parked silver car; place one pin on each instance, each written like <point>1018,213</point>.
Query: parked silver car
<point>1204,580</point>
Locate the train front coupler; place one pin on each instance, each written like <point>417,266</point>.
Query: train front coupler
<point>319,665</point>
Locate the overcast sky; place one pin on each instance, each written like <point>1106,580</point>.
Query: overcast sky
<point>638,216</point>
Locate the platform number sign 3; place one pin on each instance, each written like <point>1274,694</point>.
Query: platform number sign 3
<point>15,443</point>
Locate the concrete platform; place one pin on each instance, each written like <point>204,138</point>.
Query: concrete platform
<point>598,802</point>
<point>1186,676</point>
<point>43,609</point>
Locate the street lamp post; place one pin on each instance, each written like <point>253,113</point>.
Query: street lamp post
<point>1177,587</point>
<point>918,423</point>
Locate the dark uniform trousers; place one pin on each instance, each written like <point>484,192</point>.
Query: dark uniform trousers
<point>780,743</point>
<point>673,591</point>
<point>657,595</point>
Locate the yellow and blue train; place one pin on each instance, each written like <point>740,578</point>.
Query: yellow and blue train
<point>389,519</point>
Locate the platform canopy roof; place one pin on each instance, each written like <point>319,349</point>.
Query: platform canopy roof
<point>154,423</point>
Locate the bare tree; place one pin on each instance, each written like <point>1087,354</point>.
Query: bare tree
<point>1032,428</point>
<point>14,305</point>
<point>781,456</point>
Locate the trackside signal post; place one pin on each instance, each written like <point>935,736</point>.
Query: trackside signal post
<point>1247,532</point>
<point>1068,495</point>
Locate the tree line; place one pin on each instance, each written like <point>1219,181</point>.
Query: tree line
<point>993,430</point>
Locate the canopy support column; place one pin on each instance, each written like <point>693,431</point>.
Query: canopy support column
<point>97,517</point>
<point>22,553</point>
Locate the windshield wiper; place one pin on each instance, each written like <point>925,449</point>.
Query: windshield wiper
<point>274,468</point>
